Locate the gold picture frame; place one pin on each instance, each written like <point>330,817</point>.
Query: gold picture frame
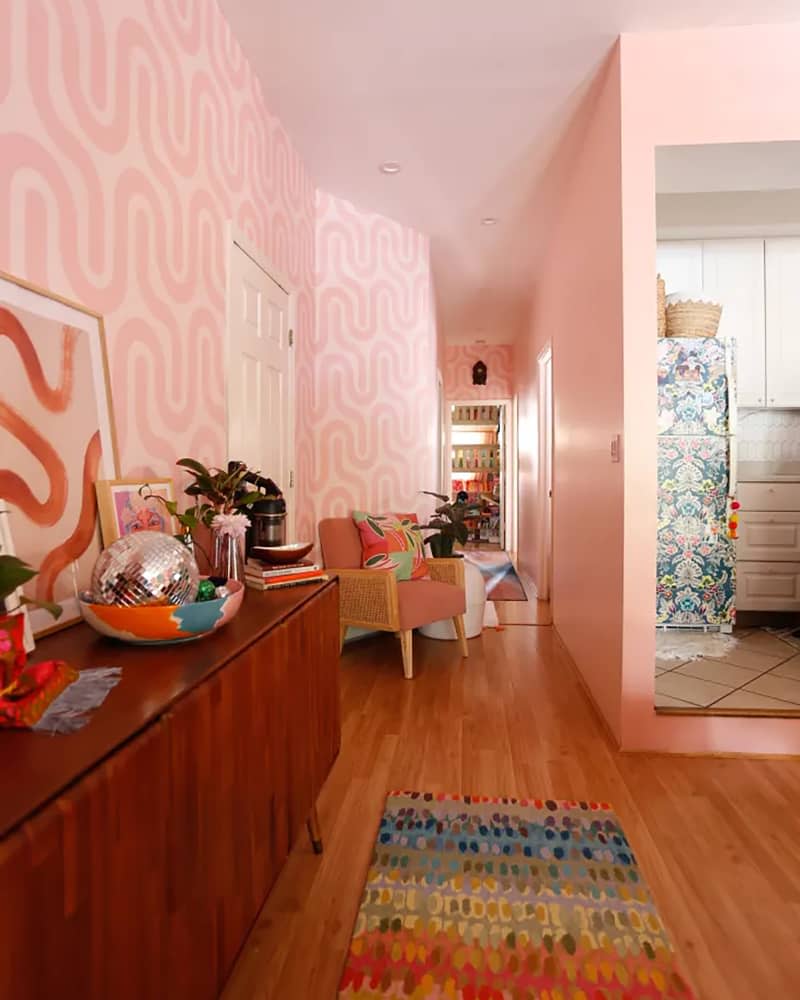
<point>123,507</point>
<point>57,437</point>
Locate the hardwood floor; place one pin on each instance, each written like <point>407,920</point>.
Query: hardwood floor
<point>530,612</point>
<point>718,839</point>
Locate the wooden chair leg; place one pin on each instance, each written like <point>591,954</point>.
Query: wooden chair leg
<point>314,830</point>
<point>406,637</point>
<point>458,621</point>
<point>342,636</point>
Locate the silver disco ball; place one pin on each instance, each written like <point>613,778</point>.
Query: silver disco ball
<point>146,567</point>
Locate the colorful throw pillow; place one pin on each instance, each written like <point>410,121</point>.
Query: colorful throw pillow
<point>392,542</point>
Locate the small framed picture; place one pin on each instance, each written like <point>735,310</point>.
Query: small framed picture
<point>129,505</point>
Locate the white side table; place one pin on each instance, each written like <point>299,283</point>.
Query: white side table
<point>476,606</point>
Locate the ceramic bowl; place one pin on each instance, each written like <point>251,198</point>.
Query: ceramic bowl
<point>282,554</point>
<point>164,623</point>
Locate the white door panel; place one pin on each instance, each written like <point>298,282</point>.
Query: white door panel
<point>733,274</point>
<point>260,373</point>
<point>783,321</point>
<point>680,264</point>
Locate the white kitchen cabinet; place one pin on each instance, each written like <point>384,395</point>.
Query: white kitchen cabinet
<point>767,586</point>
<point>768,536</point>
<point>768,550</point>
<point>680,264</point>
<point>782,271</point>
<point>733,275</point>
<point>758,284</point>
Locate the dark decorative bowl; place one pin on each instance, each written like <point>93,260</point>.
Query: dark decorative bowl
<point>282,555</point>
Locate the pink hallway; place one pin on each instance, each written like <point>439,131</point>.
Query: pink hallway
<point>375,407</point>
<point>577,306</point>
<point>458,362</point>
<point>734,85</point>
<point>592,299</point>
<point>121,180</point>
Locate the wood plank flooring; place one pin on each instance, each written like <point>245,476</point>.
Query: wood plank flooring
<point>718,839</point>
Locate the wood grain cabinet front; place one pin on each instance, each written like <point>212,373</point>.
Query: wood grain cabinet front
<point>143,879</point>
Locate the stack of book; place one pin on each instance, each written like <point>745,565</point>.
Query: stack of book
<point>264,576</point>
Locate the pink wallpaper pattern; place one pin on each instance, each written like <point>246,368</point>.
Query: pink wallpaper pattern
<point>130,134</point>
<point>375,400</point>
<point>457,372</point>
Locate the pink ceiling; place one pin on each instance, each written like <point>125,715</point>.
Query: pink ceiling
<point>470,97</point>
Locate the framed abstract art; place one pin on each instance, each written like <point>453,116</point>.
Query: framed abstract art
<point>56,439</point>
<point>129,505</point>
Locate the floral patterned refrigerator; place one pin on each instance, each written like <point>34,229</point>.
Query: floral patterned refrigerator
<point>696,561</point>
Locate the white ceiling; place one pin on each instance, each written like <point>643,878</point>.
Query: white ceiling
<point>730,166</point>
<point>469,96</point>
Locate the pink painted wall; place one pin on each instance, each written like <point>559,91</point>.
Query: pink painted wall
<point>130,134</point>
<point>733,85</point>
<point>375,401</point>
<point>457,371</point>
<point>578,308</point>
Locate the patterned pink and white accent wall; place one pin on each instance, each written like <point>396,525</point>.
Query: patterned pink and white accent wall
<point>130,134</point>
<point>457,371</point>
<point>375,406</point>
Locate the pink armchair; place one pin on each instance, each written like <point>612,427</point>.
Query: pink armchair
<point>374,599</point>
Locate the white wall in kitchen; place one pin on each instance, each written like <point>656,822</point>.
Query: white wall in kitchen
<point>768,435</point>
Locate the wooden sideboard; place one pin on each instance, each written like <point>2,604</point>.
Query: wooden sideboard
<point>137,853</point>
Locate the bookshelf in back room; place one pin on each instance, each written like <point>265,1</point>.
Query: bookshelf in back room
<point>476,462</point>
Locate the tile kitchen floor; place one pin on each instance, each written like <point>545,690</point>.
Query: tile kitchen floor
<point>760,672</point>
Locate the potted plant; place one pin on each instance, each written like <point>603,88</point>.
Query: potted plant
<point>13,574</point>
<point>448,526</point>
<point>221,497</point>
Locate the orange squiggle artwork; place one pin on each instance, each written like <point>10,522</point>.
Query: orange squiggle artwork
<point>14,488</point>
<point>55,399</point>
<point>48,414</point>
<point>77,543</point>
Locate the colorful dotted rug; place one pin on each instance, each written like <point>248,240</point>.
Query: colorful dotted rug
<point>472,898</point>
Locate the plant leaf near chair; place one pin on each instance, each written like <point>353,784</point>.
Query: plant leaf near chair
<point>447,523</point>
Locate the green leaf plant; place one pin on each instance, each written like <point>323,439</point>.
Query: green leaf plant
<point>13,574</point>
<point>213,491</point>
<point>447,523</point>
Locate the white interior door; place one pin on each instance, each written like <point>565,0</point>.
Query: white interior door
<point>260,390</point>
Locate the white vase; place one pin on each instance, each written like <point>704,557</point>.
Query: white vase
<point>476,603</point>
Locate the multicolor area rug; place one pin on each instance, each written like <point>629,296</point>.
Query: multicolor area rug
<point>503,899</point>
<point>502,582</point>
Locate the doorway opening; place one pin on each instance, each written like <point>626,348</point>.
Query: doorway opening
<point>481,457</point>
<point>545,559</point>
<point>479,469</point>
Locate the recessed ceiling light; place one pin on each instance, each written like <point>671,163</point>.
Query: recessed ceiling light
<point>389,167</point>
<point>488,220</point>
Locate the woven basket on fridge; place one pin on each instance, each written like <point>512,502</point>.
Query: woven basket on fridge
<point>661,305</point>
<point>691,317</point>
